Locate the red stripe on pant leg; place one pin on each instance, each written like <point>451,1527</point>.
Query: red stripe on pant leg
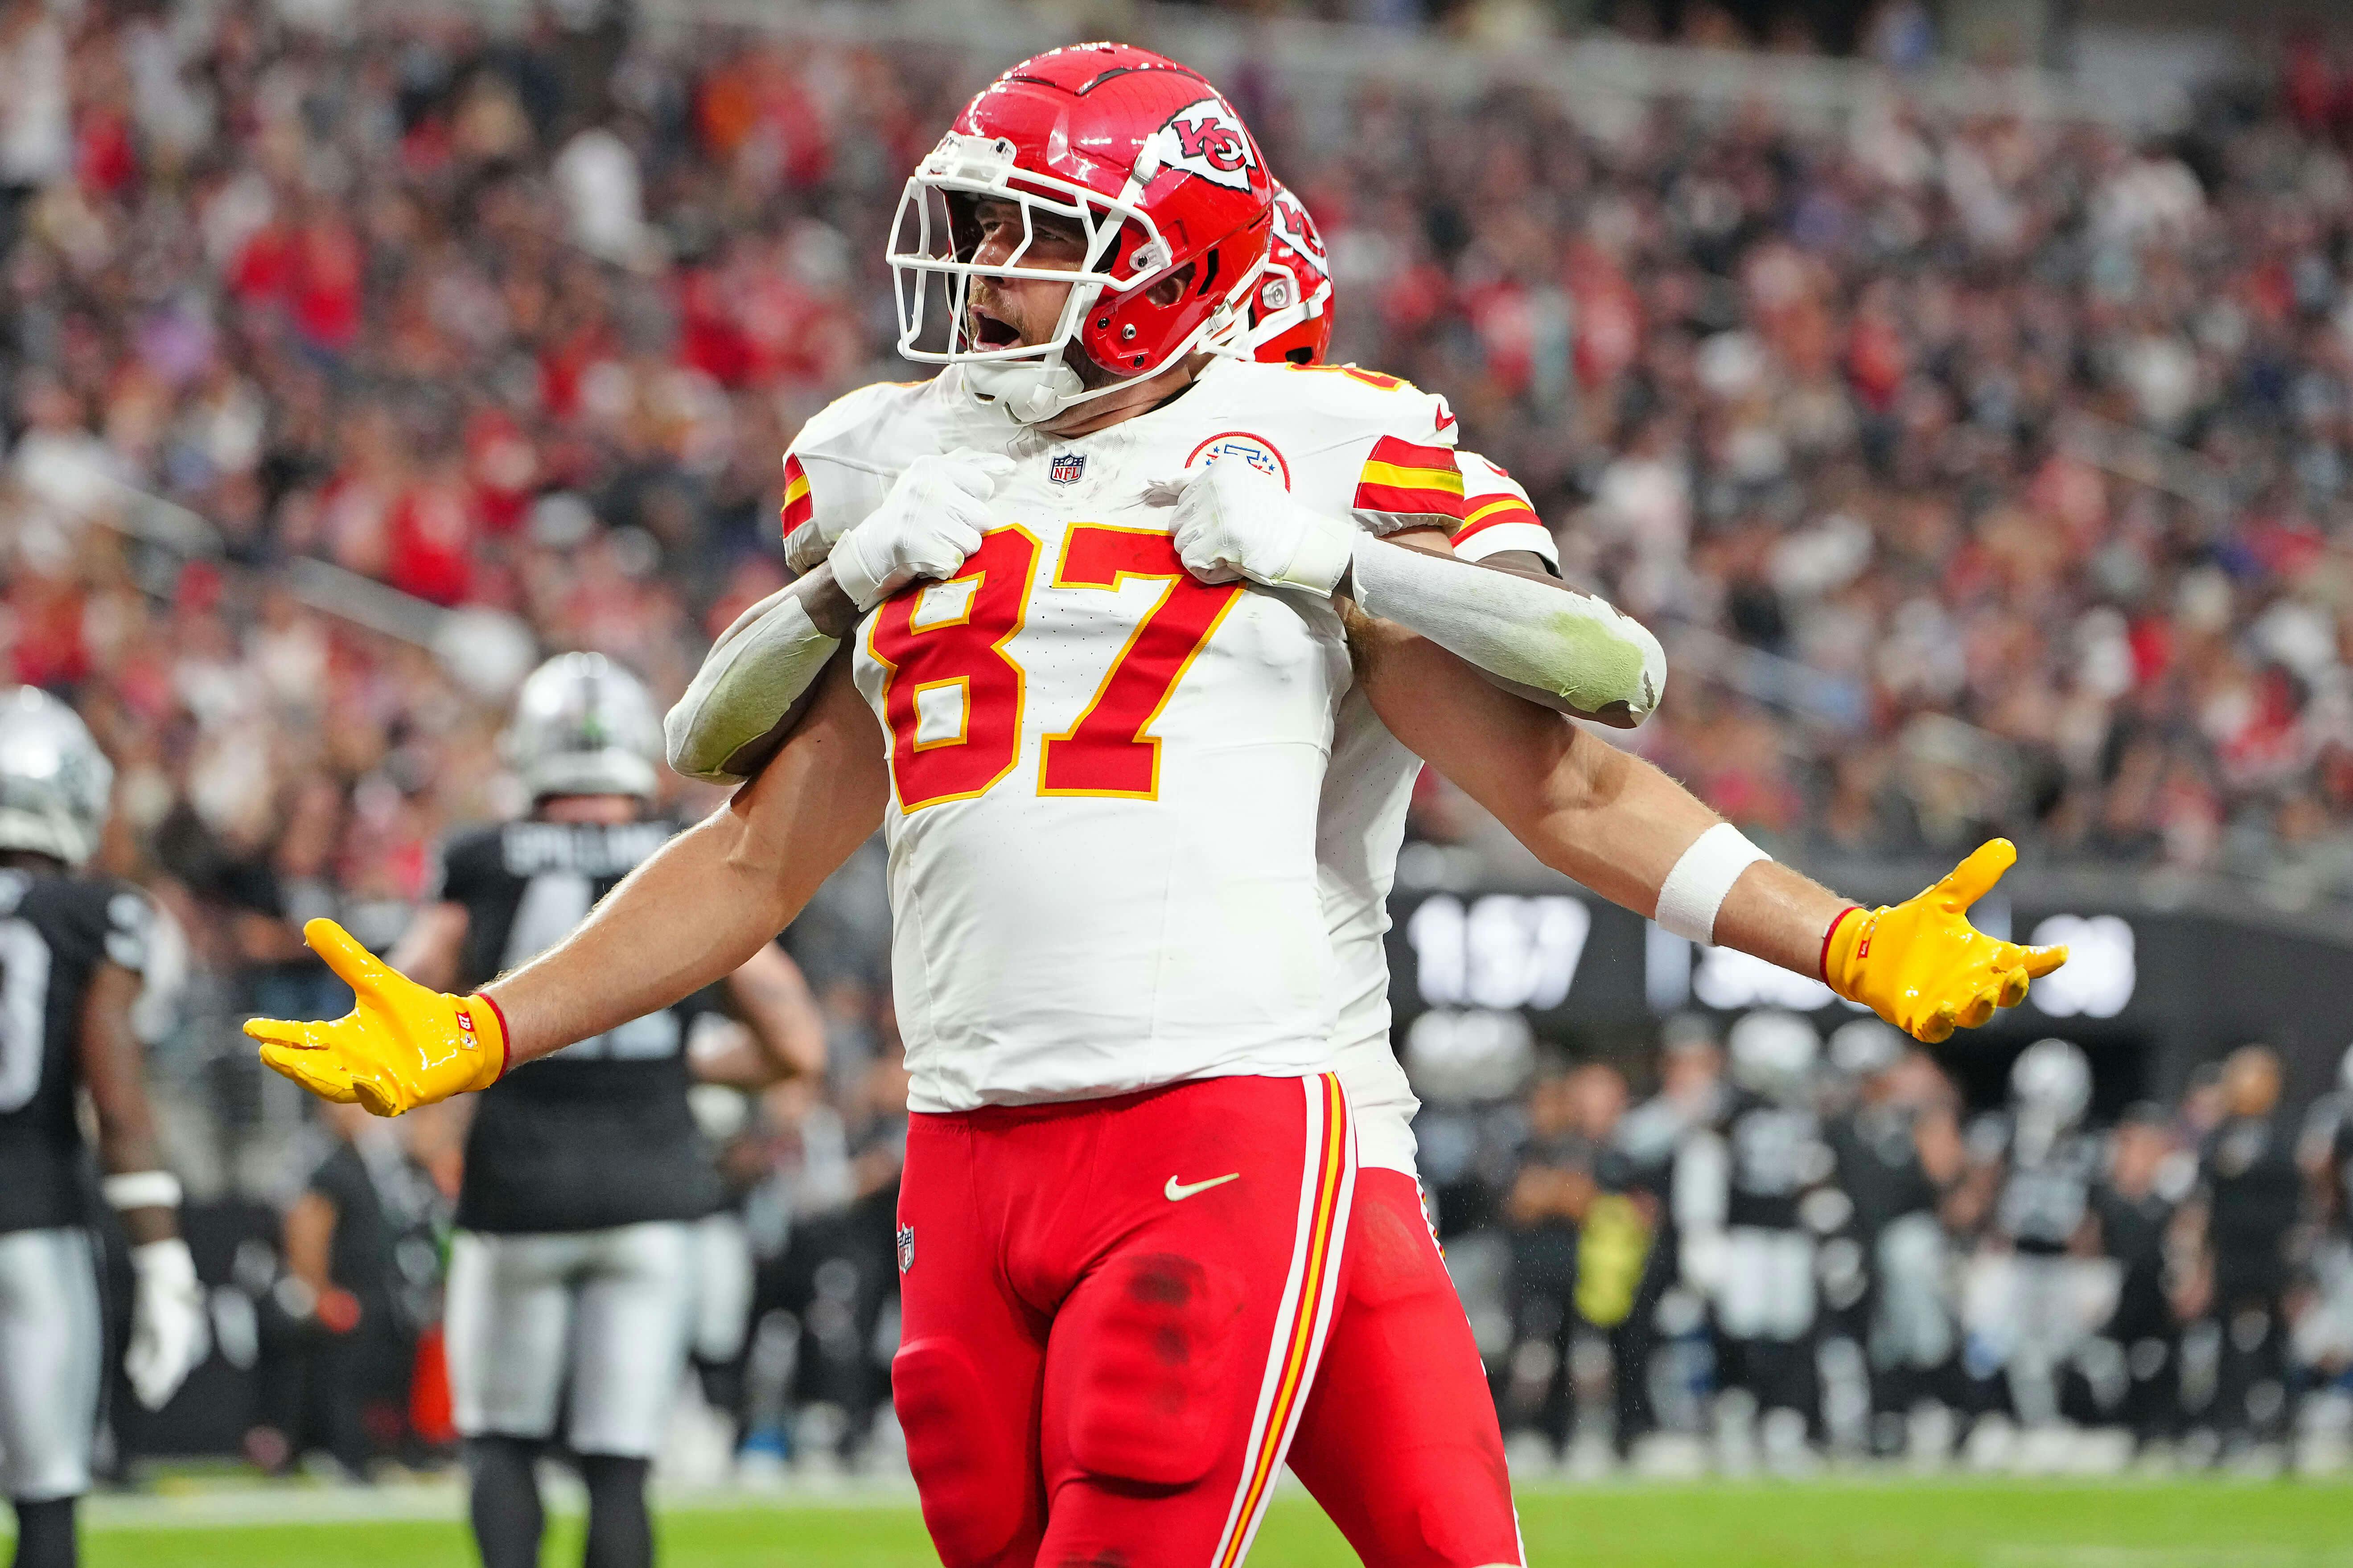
<point>1307,1312</point>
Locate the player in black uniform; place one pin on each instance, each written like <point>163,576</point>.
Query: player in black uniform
<point>1751,1204</point>
<point>2044,1211</point>
<point>2134,1207</point>
<point>71,953</point>
<point>2251,1196</point>
<point>2324,1336</point>
<point>574,1275</point>
<point>1898,1151</point>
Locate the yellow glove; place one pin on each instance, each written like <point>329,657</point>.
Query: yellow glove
<point>1921,966</point>
<point>400,1046</point>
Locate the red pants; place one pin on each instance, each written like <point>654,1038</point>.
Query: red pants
<point>1398,1441</point>
<point>1110,1313</point>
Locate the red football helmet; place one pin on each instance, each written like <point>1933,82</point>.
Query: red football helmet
<point>1159,174</point>
<point>1291,316</point>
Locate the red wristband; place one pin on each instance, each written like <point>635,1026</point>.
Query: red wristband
<point>1823,964</point>
<point>506,1036</point>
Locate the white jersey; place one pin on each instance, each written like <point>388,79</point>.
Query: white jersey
<point>1359,826</point>
<point>1106,775</point>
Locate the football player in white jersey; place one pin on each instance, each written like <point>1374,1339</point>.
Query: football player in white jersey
<point>1112,964</point>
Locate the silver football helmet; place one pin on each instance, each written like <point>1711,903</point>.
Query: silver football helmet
<point>584,725</point>
<point>1772,1053</point>
<point>2051,1080</point>
<point>54,781</point>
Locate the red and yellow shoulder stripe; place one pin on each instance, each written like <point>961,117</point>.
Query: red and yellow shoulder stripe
<point>796,494</point>
<point>1494,509</point>
<point>1403,478</point>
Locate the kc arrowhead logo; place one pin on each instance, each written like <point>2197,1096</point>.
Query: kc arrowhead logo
<point>1207,139</point>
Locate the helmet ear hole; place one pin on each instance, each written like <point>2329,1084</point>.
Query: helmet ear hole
<point>1171,289</point>
<point>1302,354</point>
<point>1208,273</point>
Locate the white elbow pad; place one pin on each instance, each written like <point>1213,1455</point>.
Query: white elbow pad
<point>760,667</point>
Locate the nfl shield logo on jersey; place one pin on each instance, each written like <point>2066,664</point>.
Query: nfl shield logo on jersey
<point>906,1248</point>
<point>1066,468</point>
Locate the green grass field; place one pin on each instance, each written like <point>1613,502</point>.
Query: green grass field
<point>2193,1524</point>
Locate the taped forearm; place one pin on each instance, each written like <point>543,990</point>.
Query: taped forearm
<point>1565,648</point>
<point>761,666</point>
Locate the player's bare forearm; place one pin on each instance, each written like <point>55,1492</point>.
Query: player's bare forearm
<point>112,1069</point>
<point>710,899</point>
<point>1604,817</point>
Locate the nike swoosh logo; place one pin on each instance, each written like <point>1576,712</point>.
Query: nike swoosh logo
<point>1178,1191</point>
<point>1445,420</point>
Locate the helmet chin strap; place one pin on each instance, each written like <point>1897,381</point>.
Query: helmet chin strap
<point>1031,391</point>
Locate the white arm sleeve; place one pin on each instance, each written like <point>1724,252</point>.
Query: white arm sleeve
<point>759,668</point>
<point>1554,640</point>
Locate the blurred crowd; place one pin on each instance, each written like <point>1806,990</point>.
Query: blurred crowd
<point>1797,1250</point>
<point>1981,474</point>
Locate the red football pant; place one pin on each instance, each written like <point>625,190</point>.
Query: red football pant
<point>1398,1441</point>
<point>1111,1310</point>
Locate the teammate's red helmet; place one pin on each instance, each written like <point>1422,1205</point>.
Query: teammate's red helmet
<point>1291,314</point>
<point>1156,171</point>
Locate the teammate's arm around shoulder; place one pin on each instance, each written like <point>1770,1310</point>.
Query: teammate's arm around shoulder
<point>695,912</point>
<point>1532,634</point>
<point>167,1304</point>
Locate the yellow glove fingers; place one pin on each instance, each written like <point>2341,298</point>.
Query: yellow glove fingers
<point>314,1070</point>
<point>1936,1027</point>
<point>355,965</point>
<point>1974,1012</point>
<point>1974,877</point>
<point>2041,960</point>
<point>2013,987</point>
<point>378,1099</point>
<point>293,1034</point>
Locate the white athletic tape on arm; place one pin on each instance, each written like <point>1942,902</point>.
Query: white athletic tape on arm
<point>1539,635</point>
<point>760,667</point>
<point>142,1190</point>
<point>1696,889</point>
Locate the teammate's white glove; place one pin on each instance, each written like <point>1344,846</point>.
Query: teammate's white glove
<point>1237,521</point>
<point>167,1322</point>
<point>930,521</point>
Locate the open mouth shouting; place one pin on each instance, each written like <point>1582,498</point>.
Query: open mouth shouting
<point>993,331</point>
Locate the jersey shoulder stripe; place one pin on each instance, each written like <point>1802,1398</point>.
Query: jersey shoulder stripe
<point>1402,480</point>
<point>1497,515</point>
<point>796,508</point>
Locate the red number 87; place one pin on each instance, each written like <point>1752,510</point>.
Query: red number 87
<point>1106,751</point>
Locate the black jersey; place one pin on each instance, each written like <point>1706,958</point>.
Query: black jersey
<point>55,931</point>
<point>2132,1231</point>
<point>1776,1156</point>
<point>1879,1165</point>
<point>2255,1195</point>
<point>599,1133</point>
<point>2047,1190</point>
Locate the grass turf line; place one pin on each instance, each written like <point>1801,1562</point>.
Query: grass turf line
<point>2194,1524</point>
